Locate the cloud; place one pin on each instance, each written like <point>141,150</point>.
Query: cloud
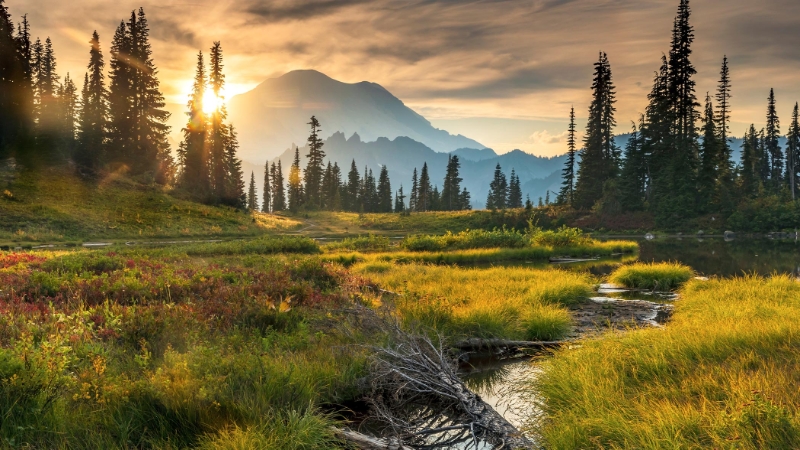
<point>545,138</point>
<point>297,10</point>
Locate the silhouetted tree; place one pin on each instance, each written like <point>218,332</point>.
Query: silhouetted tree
<point>710,150</point>
<point>278,190</point>
<point>193,151</point>
<point>94,111</point>
<point>515,191</point>
<point>384,191</point>
<point>749,174</point>
<point>266,204</point>
<point>568,173</point>
<point>413,200</point>
<point>498,190</point>
<point>633,175</point>
<point>424,190</point>
<point>234,194</point>
<point>315,167</point>
<point>793,152</point>
<point>772,148</point>
<point>451,190</point>
<point>252,198</point>
<point>217,132</point>
<point>399,200</point>
<point>295,184</point>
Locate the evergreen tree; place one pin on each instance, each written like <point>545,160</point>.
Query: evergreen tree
<point>723,119</point>
<point>139,131</point>
<point>413,200</point>
<point>399,200</point>
<point>514,191</point>
<point>252,198</point>
<point>599,158</point>
<point>384,191</point>
<point>763,160</point>
<point>466,200</point>
<point>49,114</point>
<point>278,190</point>
<point>424,190</point>
<point>498,190</point>
<point>295,184</point>
<point>451,191</point>
<point>633,175</point>
<point>368,192</point>
<point>68,107</point>
<point>336,188</point>
<point>234,193</point>
<point>528,204</point>
<point>313,173</point>
<point>749,174</point>
<point>568,173</point>
<point>266,204</point>
<point>326,191</point>
<point>353,188</point>
<point>193,151</point>
<point>436,200</point>
<point>709,158</point>
<point>22,106</point>
<point>217,130</point>
<point>793,153</point>
<point>13,85</point>
<point>772,148</point>
<point>94,111</point>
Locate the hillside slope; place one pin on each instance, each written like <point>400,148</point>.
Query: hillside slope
<point>53,205</point>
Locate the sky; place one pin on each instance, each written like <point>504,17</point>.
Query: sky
<point>503,72</point>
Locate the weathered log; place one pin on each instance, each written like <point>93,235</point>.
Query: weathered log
<point>366,442</point>
<point>485,344</point>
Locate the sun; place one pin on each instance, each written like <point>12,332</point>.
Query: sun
<point>211,102</point>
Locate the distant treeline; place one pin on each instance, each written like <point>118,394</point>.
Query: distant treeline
<point>322,187</point>
<point>672,167</point>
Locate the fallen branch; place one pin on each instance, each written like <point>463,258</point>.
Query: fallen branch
<point>488,344</point>
<point>368,442</point>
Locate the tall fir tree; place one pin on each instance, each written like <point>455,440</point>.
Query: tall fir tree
<point>399,200</point>
<point>120,98</point>
<point>295,183</point>
<point>710,150</point>
<point>773,150</point>
<point>413,199</point>
<point>266,204</point>
<point>315,167</point>
<point>384,191</point>
<point>567,192</point>
<point>278,190</point>
<point>353,182</point>
<point>94,111</point>
<point>217,129</point>
<point>515,191</point>
<point>22,106</point>
<point>68,107</point>
<point>466,199</point>
<point>252,197</point>
<point>13,86</point>
<point>451,189</point>
<point>793,152</point>
<point>498,190</point>
<point>749,173</point>
<point>234,194</point>
<point>633,175</point>
<point>193,151</point>
<point>600,156</point>
<point>48,125</point>
<point>424,189</point>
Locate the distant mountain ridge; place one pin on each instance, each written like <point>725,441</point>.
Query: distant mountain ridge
<point>275,114</point>
<point>402,154</point>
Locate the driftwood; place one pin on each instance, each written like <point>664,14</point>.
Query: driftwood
<point>489,344</point>
<point>417,393</point>
<point>365,442</point>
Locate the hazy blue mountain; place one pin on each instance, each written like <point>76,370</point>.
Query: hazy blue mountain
<point>274,115</point>
<point>474,154</point>
<point>402,154</point>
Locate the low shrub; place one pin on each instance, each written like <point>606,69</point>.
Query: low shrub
<point>655,276</point>
<point>370,243</point>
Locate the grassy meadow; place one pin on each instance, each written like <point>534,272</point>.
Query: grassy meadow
<point>653,276</point>
<point>722,374</point>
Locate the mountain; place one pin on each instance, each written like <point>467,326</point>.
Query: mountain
<point>402,154</point>
<point>474,154</point>
<point>275,114</point>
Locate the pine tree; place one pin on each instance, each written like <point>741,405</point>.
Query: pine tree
<point>68,107</point>
<point>14,87</point>
<point>252,198</point>
<point>709,158</point>
<point>234,192</point>
<point>399,200</point>
<point>436,200</point>
<point>266,204</point>
<point>278,190</point>
<point>313,173</point>
<point>353,182</point>
<point>723,119</point>
<point>793,152</point>
<point>413,200</point>
<point>749,174</point>
<point>424,190</point>
<point>384,191</point>
<point>193,151</point>
<point>295,184</point>
<point>24,93</point>
<point>568,173</point>
<point>48,126</point>
<point>94,111</point>
<point>633,175</point>
<point>498,190</point>
<point>772,148</point>
<point>120,98</point>
<point>217,130</point>
<point>600,156</point>
<point>514,191</point>
<point>466,200</point>
<point>336,187</point>
<point>451,190</point>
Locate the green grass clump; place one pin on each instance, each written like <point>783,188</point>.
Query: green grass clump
<point>369,243</point>
<point>656,276</point>
<point>260,246</point>
<point>512,303</point>
<point>723,374</point>
<point>469,239</point>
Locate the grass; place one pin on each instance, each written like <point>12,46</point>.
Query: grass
<point>663,276</point>
<point>512,303</point>
<point>154,348</point>
<point>723,374</point>
<point>55,206</point>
